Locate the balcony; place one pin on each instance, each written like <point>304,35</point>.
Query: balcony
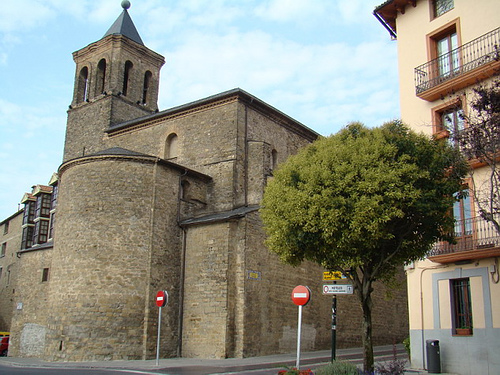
<point>461,67</point>
<point>476,239</point>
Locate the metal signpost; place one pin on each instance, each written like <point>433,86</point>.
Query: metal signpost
<point>334,289</point>
<point>334,328</point>
<point>300,296</point>
<point>161,300</point>
<point>338,289</point>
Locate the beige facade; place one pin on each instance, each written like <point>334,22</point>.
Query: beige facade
<point>152,200</point>
<point>446,48</point>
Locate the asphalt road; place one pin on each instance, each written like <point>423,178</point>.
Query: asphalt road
<point>11,370</point>
<point>195,370</point>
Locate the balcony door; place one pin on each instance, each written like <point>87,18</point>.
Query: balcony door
<point>462,212</point>
<point>448,59</point>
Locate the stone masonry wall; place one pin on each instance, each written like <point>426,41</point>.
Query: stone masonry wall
<point>105,261</point>
<point>87,122</point>
<point>207,315</point>
<point>206,143</point>
<point>270,314</point>
<point>29,328</point>
<point>10,235</point>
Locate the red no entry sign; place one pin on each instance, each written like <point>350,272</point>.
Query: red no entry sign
<point>301,295</point>
<point>161,298</point>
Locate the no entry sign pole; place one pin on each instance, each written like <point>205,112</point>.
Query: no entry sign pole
<point>299,333</point>
<point>161,300</point>
<point>300,296</point>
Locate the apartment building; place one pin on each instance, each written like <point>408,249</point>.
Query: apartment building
<point>446,50</point>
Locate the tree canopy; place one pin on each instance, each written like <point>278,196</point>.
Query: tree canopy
<point>480,144</point>
<point>363,202</point>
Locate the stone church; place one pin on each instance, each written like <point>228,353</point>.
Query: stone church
<point>148,200</point>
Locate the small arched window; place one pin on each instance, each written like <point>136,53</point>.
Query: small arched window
<point>145,90</point>
<point>101,76</point>
<point>171,146</point>
<point>83,85</point>
<point>127,74</point>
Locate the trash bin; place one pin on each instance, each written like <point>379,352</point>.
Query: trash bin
<point>433,357</point>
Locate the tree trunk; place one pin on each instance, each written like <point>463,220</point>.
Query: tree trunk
<point>366,304</point>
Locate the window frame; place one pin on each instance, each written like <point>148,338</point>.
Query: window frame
<point>461,307</point>
<point>29,212</point>
<point>435,10</point>
<point>27,237</point>
<point>433,38</point>
<point>439,130</point>
<point>465,207</point>
<point>41,232</point>
<point>43,205</point>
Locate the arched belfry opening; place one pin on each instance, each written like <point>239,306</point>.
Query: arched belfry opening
<point>82,94</point>
<point>127,77</point>
<point>101,77</point>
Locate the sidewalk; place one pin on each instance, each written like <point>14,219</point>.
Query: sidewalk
<point>263,365</point>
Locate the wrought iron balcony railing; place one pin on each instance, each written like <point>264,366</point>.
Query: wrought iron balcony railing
<point>459,61</point>
<point>470,234</point>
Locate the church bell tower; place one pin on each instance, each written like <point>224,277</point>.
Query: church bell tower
<point>116,80</point>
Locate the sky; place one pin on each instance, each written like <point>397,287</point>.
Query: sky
<point>324,63</point>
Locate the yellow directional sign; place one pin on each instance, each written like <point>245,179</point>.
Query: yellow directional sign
<point>333,275</point>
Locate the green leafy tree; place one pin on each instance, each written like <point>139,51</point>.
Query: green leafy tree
<point>363,202</point>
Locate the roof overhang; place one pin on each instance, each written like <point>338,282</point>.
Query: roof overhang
<point>387,13</point>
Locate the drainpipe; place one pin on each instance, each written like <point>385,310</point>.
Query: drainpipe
<point>422,311</point>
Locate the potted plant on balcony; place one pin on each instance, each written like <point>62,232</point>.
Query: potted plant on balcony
<point>463,331</point>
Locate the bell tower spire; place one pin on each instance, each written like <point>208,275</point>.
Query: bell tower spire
<point>124,25</point>
<point>116,80</point>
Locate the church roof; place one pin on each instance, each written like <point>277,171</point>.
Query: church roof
<point>125,26</point>
<point>242,95</point>
<point>119,151</point>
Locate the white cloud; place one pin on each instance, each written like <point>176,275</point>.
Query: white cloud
<point>317,84</point>
<point>23,14</point>
<point>354,11</point>
<point>318,61</point>
<point>288,10</point>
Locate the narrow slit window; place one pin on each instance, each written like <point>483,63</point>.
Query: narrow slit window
<point>45,275</point>
<point>145,91</point>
